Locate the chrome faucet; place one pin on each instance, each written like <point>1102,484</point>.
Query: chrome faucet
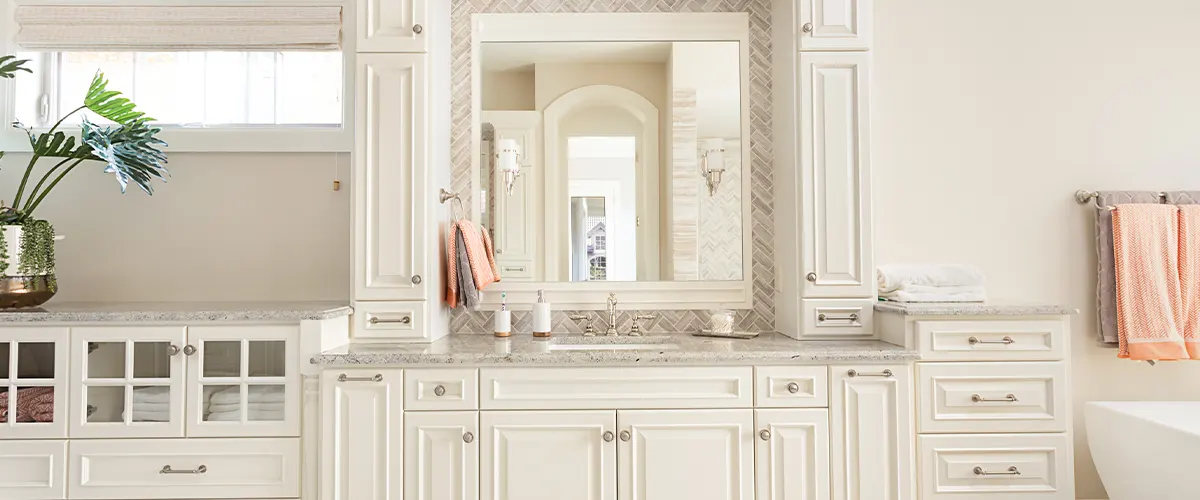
<point>611,331</point>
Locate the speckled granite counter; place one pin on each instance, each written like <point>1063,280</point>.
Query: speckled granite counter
<point>168,312</point>
<point>676,348</point>
<point>972,309</point>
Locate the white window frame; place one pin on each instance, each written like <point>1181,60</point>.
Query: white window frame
<point>232,139</point>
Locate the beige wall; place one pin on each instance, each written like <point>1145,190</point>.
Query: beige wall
<point>507,90</point>
<point>988,116</point>
<point>554,80</point>
<point>240,227</point>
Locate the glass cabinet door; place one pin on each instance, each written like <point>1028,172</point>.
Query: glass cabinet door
<point>127,381</point>
<point>243,381</point>
<point>33,382</point>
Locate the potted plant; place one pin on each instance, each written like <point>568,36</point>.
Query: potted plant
<point>128,148</point>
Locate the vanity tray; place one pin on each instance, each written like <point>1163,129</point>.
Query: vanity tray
<point>730,335</point>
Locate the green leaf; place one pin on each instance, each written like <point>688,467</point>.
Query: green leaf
<point>109,104</point>
<point>10,65</point>
<point>59,145</point>
<point>132,152</point>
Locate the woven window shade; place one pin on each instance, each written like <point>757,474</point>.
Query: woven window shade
<point>98,28</point>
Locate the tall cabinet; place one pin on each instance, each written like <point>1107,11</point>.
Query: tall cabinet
<point>401,160</point>
<point>821,87</point>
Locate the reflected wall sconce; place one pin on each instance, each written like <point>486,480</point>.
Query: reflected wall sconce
<point>508,161</point>
<point>712,176</point>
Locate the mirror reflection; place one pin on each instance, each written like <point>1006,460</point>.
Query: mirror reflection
<point>613,161</point>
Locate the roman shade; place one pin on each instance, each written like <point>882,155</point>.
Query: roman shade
<point>100,28</point>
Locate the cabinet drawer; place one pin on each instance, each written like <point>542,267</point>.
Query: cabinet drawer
<point>392,322</point>
<point>437,389</point>
<point>838,318</point>
<point>608,388</point>
<point>998,340</point>
<point>513,270</point>
<point>185,468</point>
<point>794,386</point>
<point>985,467</point>
<point>33,470</point>
<point>992,397</point>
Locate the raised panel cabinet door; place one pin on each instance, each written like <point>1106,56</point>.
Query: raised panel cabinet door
<point>548,455</point>
<point>692,454</point>
<point>834,24</point>
<point>834,142</point>
<point>33,470</point>
<point>392,26</point>
<point>871,433</point>
<point>362,436</point>
<point>441,461</point>
<point>34,365</point>
<point>390,170</point>
<point>243,381</point>
<point>791,455</point>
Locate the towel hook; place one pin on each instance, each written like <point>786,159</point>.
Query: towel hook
<point>445,196</point>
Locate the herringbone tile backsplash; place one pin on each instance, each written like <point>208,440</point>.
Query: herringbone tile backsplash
<point>762,315</point>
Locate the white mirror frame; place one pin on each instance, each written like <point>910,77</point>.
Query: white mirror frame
<point>621,27</point>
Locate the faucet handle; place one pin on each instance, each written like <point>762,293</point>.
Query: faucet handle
<point>588,329</point>
<point>636,330</point>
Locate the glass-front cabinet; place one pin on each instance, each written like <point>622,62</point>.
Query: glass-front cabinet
<point>243,381</point>
<point>33,382</point>
<point>127,381</point>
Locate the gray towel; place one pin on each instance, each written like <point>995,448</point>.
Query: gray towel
<point>1183,197</point>
<point>467,293</point>
<point>1106,283</point>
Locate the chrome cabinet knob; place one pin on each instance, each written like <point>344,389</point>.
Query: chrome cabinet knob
<point>172,350</point>
<point>468,437</point>
<point>189,349</point>
<point>439,391</point>
<point>417,28</point>
<point>793,387</point>
<point>608,436</point>
<point>416,279</point>
<point>764,434</point>
<point>625,436</point>
<point>811,277</point>
<point>807,28</point>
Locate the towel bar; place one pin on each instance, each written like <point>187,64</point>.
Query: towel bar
<point>1085,197</point>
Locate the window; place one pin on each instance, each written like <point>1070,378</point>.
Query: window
<point>600,242</point>
<point>191,89</point>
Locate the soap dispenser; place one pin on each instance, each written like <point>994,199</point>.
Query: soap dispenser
<point>541,316</point>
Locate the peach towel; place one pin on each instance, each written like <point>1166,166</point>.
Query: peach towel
<point>1189,276</point>
<point>479,253</point>
<point>1149,305</point>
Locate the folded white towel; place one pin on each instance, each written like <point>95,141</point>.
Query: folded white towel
<point>156,394</point>
<point>252,406</point>
<point>907,296</point>
<point>255,393</point>
<point>234,416</point>
<point>940,290</point>
<point>891,277</point>
<point>139,406</point>
<point>149,416</point>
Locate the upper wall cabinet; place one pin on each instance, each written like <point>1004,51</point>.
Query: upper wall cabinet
<point>392,26</point>
<point>834,153</point>
<point>392,223</point>
<point>834,25</point>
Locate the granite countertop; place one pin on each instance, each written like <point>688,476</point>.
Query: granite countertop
<point>75,312</point>
<point>990,308</point>
<point>469,349</point>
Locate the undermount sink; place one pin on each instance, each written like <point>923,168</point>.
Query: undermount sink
<point>606,343</point>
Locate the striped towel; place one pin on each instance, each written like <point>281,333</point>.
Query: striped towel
<point>479,253</point>
<point>1149,305</point>
<point>1189,276</point>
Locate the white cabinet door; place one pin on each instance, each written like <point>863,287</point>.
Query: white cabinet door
<point>127,381</point>
<point>692,454</point>
<point>548,455</point>
<point>792,454</point>
<point>516,215</point>
<point>834,149</point>
<point>871,432</point>
<point>362,438</point>
<point>834,24</point>
<point>243,381</point>
<point>441,461</point>
<point>390,172</point>
<point>33,365</point>
<point>392,26</point>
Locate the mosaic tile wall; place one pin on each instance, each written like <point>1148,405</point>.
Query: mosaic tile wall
<point>761,317</point>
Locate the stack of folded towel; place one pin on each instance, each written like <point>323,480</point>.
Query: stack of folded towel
<point>264,402</point>
<point>151,404</point>
<point>930,283</point>
<point>33,404</point>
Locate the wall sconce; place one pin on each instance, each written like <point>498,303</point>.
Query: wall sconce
<point>712,176</point>
<point>508,161</point>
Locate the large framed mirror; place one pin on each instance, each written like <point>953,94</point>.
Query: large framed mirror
<point>611,156</point>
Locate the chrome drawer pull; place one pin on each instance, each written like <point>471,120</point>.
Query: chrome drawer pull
<point>1006,340</point>
<point>851,318</point>
<point>168,470</point>
<point>856,373</point>
<point>403,320</point>
<point>1012,471</point>
<point>793,387</point>
<point>1008,398</point>
<point>346,378</point>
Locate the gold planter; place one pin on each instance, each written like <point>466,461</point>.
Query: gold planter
<point>23,292</point>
